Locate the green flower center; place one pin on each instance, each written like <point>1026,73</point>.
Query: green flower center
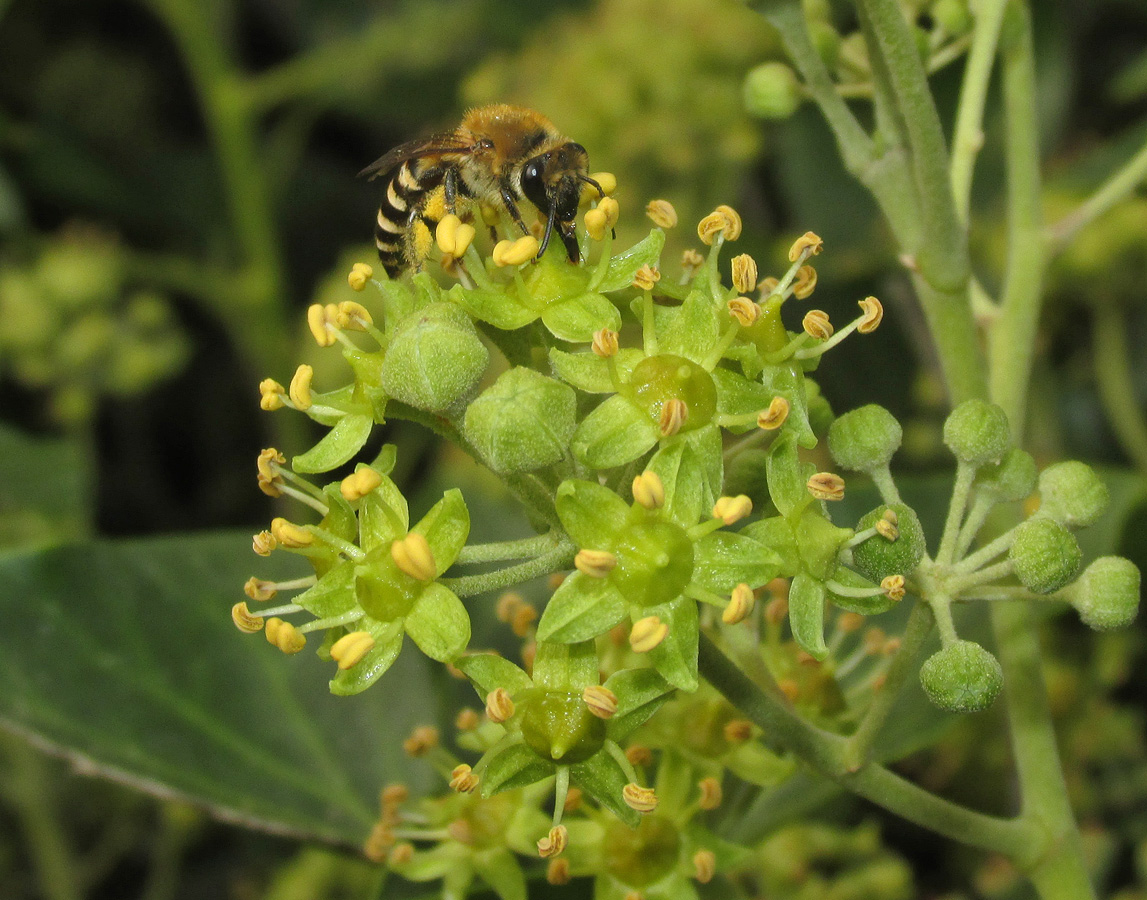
<point>659,379</point>
<point>558,726</point>
<point>641,856</point>
<point>654,562</point>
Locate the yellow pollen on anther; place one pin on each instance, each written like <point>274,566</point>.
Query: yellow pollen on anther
<point>691,261</point>
<point>662,213</point>
<point>649,490</point>
<point>290,535</point>
<point>284,635</point>
<point>805,282</point>
<point>264,543</point>
<point>267,460</point>
<point>353,316</point>
<point>595,563</point>
<point>444,234</point>
<point>741,604</point>
<point>826,486</point>
<point>647,633</point>
<point>646,278</point>
<point>554,842</point>
<point>301,387</point>
<point>595,223</point>
<point>641,799</point>
<point>711,793</point>
<point>464,236</point>
<point>602,702</point>
<point>271,394</point>
<point>744,310</point>
<point>768,285</point>
<point>744,273</point>
<point>894,587</point>
<point>360,274</point>
<point>817,325</point>
<point>732,509</point>
<point>674,414</point>
<point>499,706</point>
<point>558,872</point>
<point>808,244</point>
<point>318,322</point>
<point>606,180</point>
<point>413,556</point>
<point>463,780</point>
<point>349,650</point>
<point>260,590</point>
<point>611,209</point>
<point>604,343</point>
<point>873,315</point>
<point>245,620</point>
<point>515,253</point>
<point>359,483</point>
<point>774,417</point>
<point>886,529</point>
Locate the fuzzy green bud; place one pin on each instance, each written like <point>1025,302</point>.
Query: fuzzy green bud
<point>865,438</point>
<point>772,91</point>
<point>1012,478</point>
<point>963,677</point>
<point>435,358</point>
<point>1046,555</point>
<point>977,432</point>
<point>826,42</point>
<point>953,16</point>
<point>879,557</point>
<point>1072,494</point>
<point>1107,593</point>
<point>522,422</point>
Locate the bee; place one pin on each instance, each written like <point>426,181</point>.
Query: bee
<point>498,157</point>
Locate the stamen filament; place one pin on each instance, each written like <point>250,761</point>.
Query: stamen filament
<point>349,550</point>
<point>648,326</point>
<point>332,621</point>
<point>704,595</point>
<point>825,346</point>
<point>319,507</point>
<point>726,341</point>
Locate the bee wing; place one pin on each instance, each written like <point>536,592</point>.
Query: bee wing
<point>445,142</point>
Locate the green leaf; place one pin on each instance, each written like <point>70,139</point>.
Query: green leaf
<point>380,657</point>
<point>676,656</point>
<point>624,266</point>
<point>590,513</point>
<point>511,764</point>
<point>723,559</point>
<point>566,667</point>
<point>439,623</point>
<point>589,372</point>
<point>615,433</point>
<point>806,615</point>
<point>338,446</point>
<point>446,527</point>
<point>602,777</point>
<point>575,319</point>
<point>581,608</point>
<point>640,693</point>
<point>45,492</point>
<point>122,656</point>
<point>488,671</point>
<point>500,869</point>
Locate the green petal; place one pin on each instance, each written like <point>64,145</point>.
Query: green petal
<point>640,693</point>
<point>339,445</point>
<point>511,764</point>
<point>577,318</point>
<point>624,266</point>
<point>693,328</point>
<point>446,527</point>
<point>786,485</point>
<point>602,777</point>
<point>566,667</point>
<point>382,516</point>
<point>580,609</point>
<point>439,623</point>
<point>676,656</point>
<point>724,559</point>
<point>499,868</point>
<point>788,381</point>
<point>590,513</point>
<point>589,372</point>
<point>494,307</point>
<point>488,671</point>
<point>387,645</point>
<point>331,595</point>
<point>806,615</point>
<point>615,433</point>
<point>736,396</point>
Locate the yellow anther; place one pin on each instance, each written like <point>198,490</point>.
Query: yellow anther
<point>392,796</point>
<point>359,483</point>
<point>284,635</point>
<point>463,780</point>
<point>768,285</point>
<point>554,842</point>
<point>377,846</point>
<point>646,278</point>
<point>353,316</point>
<point>662,213</point>
<point>319,322</point>
<point>740,605</point>
<point>349,650</point>
<point>711,793</point>
<point>649,490</point>
<point>444,234</point>
<point>893,586</point>
<point>272,487</point>
<point>887,529</point>
<point>464,236</point>
<point>873,315</point>
<point>737,731</point>
<point>604,343</point>
<point>267,462</point>
<point>826,486</point>
<point>413,556</point>
<point>639,798</point>
<point>290,535</point>
<point>647,633</point>
<point>744,310</point>
<point>523,620</point>
<point>674,414</point>
<point>817,325</point>
<point>711,226</point>
<point>271,394</point>
<point>691,261</point>
<point>612,211</point>
<point>507,605</point>
<point>808,244</point>
<point>596,223</point>
<point>245,620</point>
<point>602,702</point>
<point>704,866</point>
<point>606,180</point>
<point>401,854</point>
<point>264,543</point>
<point>422,740</point>
<point>499,706</point>
<point>744,273</point>
<point>805,282</point>
<point>774,417</point>
<point>558,871</point>
<point>515,253</point>
<point>467,719</point>
<point>733,221</point>
<point>638,755</point>
<point>595,563</point>
<point>360,274</point>
<point>732,509</point>
<point>259,589</point>
<point>301,387</point>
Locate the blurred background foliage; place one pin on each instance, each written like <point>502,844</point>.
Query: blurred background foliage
<point>177,184</point>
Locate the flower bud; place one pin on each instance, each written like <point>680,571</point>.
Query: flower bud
<point>1012,478</point>
<point>1046,555</point>
<point>522,422</point>
<point>878,557</point>
<point>434,359</point>
<point>1072,494</point>
<point>977,432</point>
<point>963,677</point>
<point>1107,593</point>
<point>772,91</point>
<point>864,439</point>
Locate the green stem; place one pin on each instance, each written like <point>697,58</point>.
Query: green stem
<point>1116,386</point>
<point>969,135</point>
<point>501,550</point>
<point>560,557</point>
<point>1116,188</point>
<point>965,474</point>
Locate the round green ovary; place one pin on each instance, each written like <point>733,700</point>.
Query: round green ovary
<point>641,856</point>
<point>654,562</point>
<point>558,726</point>
<point>658,379</point>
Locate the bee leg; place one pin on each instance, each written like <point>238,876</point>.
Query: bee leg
<point>512,209</point>
<point>450,184</point>
<point>569,238</point>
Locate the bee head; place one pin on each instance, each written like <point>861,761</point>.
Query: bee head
<point>552,181</point>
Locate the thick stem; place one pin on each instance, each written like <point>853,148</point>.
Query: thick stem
<point>1113,373</point>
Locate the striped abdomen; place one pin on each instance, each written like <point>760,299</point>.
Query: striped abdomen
<point>403,231</point>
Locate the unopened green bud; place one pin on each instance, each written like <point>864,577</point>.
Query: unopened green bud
<point>879,557</point>
<point>1072,494</point>
<point>435,358</point>
<point>1012,478</point>
<point>864,439</point>
<point>522,422</point>
<point>826,42</point>
<point>963,677</point>
<point>977,432</point>
<point>772,91</point>
<point>1107,593</point>
<point>1046,555</point>
<point>953,16</point>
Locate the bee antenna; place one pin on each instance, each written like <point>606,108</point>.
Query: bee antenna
<point>589,180</point>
